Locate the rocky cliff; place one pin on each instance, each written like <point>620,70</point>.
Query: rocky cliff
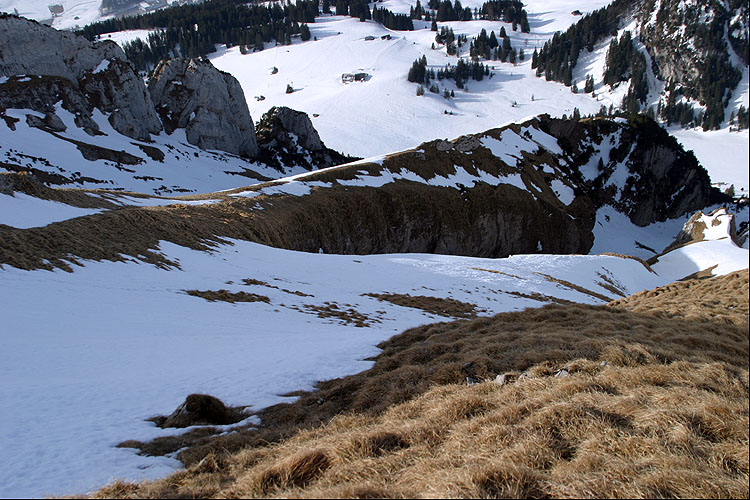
<point>288,138</point>
<point>83,75</point>
<point>209,104</point>
<point>691,42</point>
<point>44,71</point>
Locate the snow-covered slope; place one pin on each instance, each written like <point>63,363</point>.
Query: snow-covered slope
<point>89,355</point>
<point>383,114</point>
<point>76,13</point>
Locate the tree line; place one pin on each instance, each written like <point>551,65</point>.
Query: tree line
<point>197,28</point>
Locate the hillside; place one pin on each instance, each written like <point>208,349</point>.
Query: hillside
<point>188,278</point>
<point>632,399</point>
<point>259,223</point>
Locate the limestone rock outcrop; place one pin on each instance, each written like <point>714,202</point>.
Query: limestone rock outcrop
<point>288,138</point>
<point>209,104</point>
<point>285,126</point>
<point>646,174</point>
<point>44,66</point>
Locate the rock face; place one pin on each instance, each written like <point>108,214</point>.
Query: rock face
<point>287,138</point>
<point>688,39</point>
<point>285,126</point>
<point>81,74</point>
<point>646,175</point>
<point>209,104</point>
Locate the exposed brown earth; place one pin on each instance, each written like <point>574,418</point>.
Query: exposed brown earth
<point>435,305</point>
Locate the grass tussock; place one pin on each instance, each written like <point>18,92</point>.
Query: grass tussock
<point>638,398</point>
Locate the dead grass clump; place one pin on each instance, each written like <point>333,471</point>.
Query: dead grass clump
<point>540,297</point>
<point>378,443</point>
<point>227,296</point>
<point>722,299</point>
<point>296,472</point>
<point>200,409</point>
<point>510,481</point>
<point>252,281</point>
<point>435,305</point>
<point>346,316</point>
<point>577,288</point>
<point>631,257</point>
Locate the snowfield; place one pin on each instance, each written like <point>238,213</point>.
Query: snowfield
<point>88,355</point>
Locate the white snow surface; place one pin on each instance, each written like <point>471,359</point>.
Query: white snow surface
<point>723,254</point>
<point>23,211</point>
<point>185,168</point>
<point>382,114</point>
<point>613,232</point>
<point>724,154</point>
<point>132,338</point>
<point>77,13</point>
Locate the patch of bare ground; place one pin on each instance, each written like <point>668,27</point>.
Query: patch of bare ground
<point>638,398</point>
<point>251,282</point>
<point>540,297</point>
<point>30,184</point>
<point>227,296</point>
<point>495,271</point>
<point>339,219</point>
<point>451,308</point>
<point>577,288</point>
<point>631,257</point>
<point>346,313</point>
<point>608,283</point>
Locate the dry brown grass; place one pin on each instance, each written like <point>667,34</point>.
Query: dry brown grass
<point>666,416</point>
<point>227,296</point>
<point>577,288</point>
<point>347,315</point>
<point>435,305</point>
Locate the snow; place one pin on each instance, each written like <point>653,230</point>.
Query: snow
<point>563,191</point>
<point>509,141</point>
<point>722,153</point>
<point>124,37</point>
<point>102,66</point>
<point>88,355</point>
<point>382,114</point>
<point>78,387</point>
<point>185,167</point>
<point>77,13</point>
<point>724,254</point>
<point>23,211</point>
<point>385,108</point>
<point>613,232</point>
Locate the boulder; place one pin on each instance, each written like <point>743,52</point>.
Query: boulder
<point>209,104</point>
<point>200,409</point>
<point>287,127</point>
